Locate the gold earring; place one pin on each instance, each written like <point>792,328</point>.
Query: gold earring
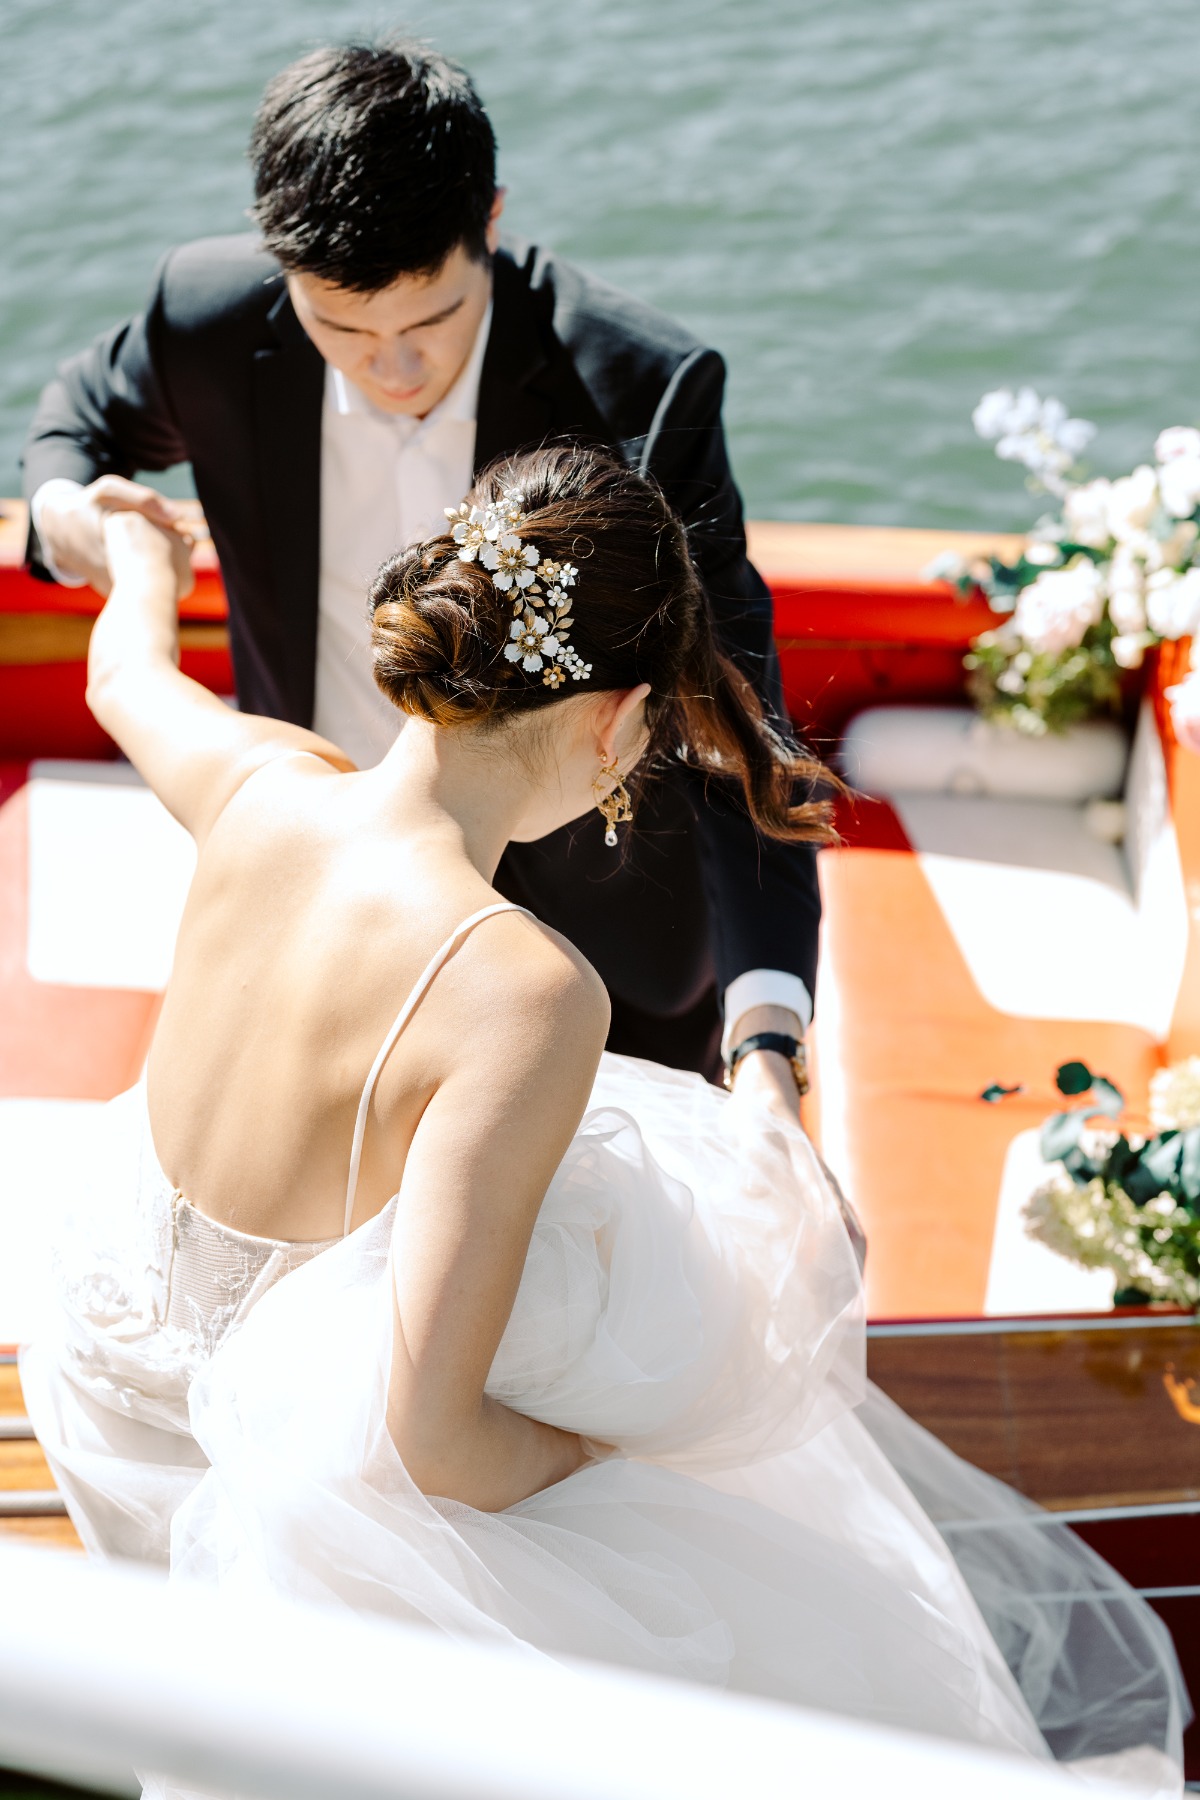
<point>613,803</point>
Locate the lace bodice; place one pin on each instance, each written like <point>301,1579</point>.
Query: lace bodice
<point>215,1272</point>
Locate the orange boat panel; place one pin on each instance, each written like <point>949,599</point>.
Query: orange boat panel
<point>57,1042</point>
<point>916,1045</point>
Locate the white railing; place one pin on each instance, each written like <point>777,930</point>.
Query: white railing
<point>104,1669</point>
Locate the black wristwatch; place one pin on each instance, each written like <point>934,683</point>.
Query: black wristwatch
<point>778,1041</point>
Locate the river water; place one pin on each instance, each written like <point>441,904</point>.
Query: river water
<point>876,209</point>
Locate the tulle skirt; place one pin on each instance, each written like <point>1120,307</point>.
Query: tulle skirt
<point>766,1520</point>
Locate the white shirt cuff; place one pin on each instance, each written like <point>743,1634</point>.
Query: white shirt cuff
<point>59,486</point>
<point>764,987</point>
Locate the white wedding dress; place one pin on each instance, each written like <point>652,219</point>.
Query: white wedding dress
<point>769,1521</point>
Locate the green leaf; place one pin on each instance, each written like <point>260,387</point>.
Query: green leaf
<point>1156,1169</point>
<point>1189,1165</point>
<point>995,1092</point>
<point>1073,1078</point>
<point>1109,1098</point>
<point>1079,1167</point>
<point>1130,1296</point>
<point>1121,1159</point>
<point>1060,1134</point>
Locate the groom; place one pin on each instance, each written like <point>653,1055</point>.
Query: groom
<point>335,380</point>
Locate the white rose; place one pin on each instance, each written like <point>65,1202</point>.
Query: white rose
<point>1054,611</point>
<point>1176,440</point>
<point>1126,590</point>
<point>1085,511</point>
<point>1132,502</point>
<point>1127,610</point>
<point>1173,603</point>
<point>1128,650</point>
<point>1179,484</point>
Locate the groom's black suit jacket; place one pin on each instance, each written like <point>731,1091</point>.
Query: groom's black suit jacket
<point>219,373</point>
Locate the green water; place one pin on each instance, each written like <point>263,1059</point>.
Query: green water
<point>876,209</point>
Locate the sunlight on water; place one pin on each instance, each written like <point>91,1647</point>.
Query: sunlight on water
<point>875,210</point>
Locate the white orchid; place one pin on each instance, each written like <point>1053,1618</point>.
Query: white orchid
<point>1033,431</point>
<point>1053,612</point>
<point>1173,603</point>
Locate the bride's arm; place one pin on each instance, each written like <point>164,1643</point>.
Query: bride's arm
<point>193,750</point>
<point>475,1176</point>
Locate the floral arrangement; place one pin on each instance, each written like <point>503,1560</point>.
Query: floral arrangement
<point>1113,572</point>
<point>1121,1200</point>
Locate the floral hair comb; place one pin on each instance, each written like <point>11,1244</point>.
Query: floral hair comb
<point>537,586</point>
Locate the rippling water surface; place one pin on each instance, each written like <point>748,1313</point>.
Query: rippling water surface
<point>876,210</point>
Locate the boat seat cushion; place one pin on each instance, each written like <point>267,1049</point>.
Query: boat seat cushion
<point>950,750</point>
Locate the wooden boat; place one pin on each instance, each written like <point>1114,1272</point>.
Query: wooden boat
<point>944,902</point>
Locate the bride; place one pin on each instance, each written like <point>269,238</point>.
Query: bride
<point>392,1291</point>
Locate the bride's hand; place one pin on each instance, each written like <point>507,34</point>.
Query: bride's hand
<point>136,547</point>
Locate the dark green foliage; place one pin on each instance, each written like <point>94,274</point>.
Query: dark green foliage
<point>1166,1164</point>
<point>1073,1078</point>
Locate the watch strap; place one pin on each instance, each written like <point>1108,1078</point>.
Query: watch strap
<point>781,1043</point>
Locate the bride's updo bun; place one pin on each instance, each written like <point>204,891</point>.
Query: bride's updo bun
<point>440,627</point>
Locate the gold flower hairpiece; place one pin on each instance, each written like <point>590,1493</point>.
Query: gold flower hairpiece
<point>537,586</point>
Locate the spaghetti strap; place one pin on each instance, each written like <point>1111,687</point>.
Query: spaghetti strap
<point>402,1017</point>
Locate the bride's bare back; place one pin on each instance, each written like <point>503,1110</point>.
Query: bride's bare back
<point>311,916</point>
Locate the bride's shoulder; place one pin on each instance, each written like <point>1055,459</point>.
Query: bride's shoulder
<point>525,975</point>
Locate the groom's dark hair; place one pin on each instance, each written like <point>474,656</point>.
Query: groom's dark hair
<point>372,161</point>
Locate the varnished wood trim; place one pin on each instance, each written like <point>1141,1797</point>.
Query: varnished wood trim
<point>57,1532</point>
<point>28,639</point>
<point>32,1503</point>
<point>949,1328</point>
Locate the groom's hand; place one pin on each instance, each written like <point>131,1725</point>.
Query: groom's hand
<point>71,523</point>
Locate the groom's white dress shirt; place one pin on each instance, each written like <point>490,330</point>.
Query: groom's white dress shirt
<point>385,482</point>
